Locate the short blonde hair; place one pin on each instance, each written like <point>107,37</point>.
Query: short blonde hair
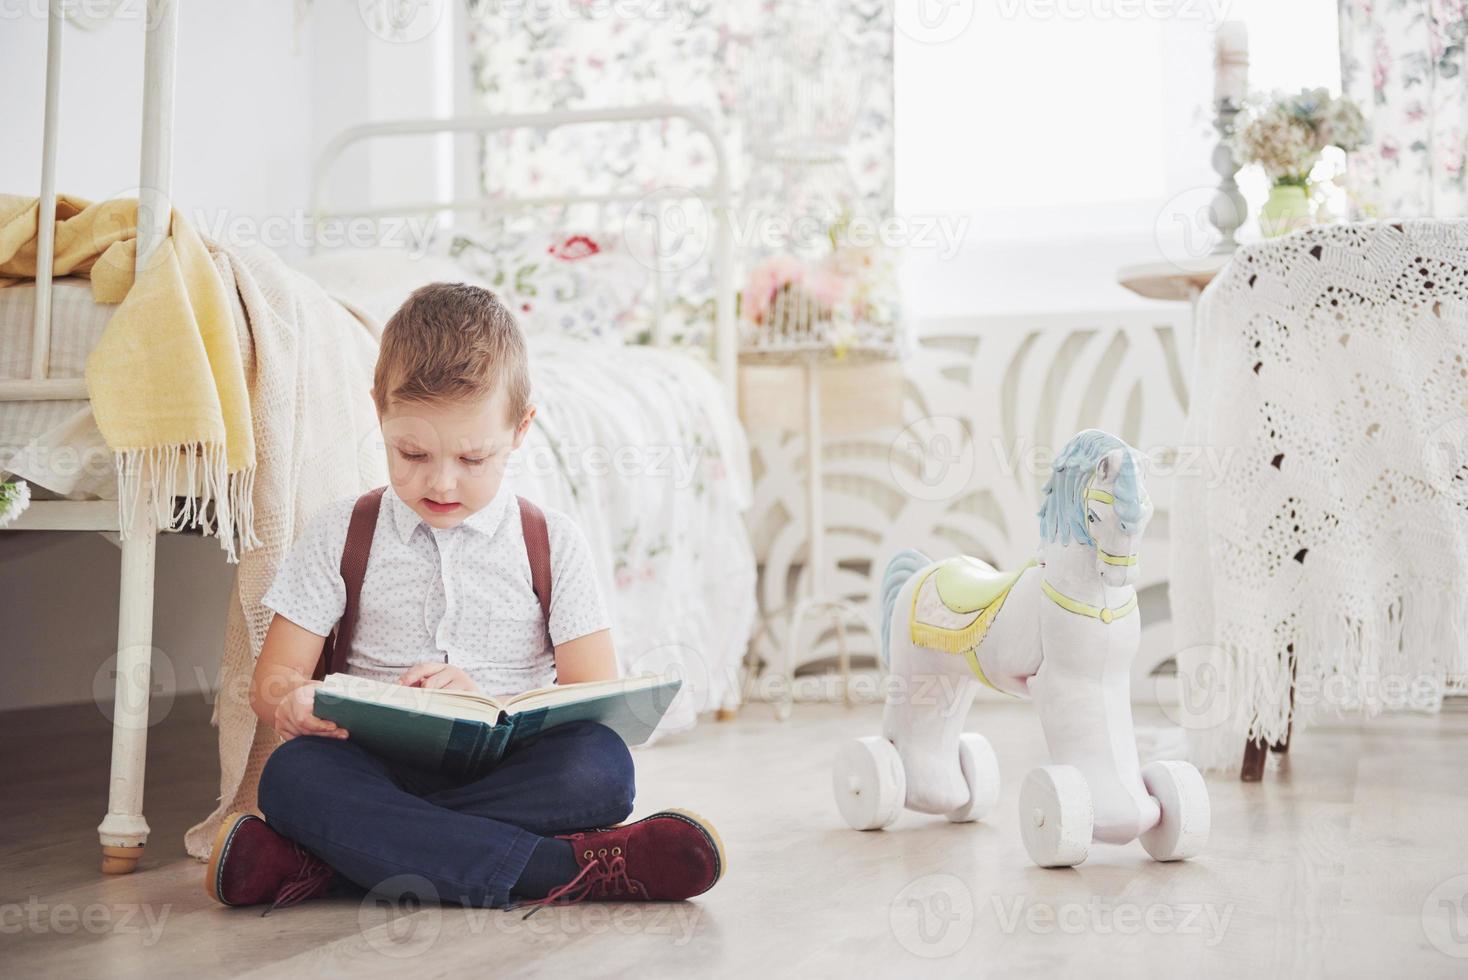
<point>451,341</point>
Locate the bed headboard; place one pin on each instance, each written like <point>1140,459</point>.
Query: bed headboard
<point>155,183</point>
<point>714,196</point>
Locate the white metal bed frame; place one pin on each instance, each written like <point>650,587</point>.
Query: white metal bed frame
<point>715,196</point>
<point>123,832</point>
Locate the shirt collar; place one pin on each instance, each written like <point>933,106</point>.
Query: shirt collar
<point>486,520</point>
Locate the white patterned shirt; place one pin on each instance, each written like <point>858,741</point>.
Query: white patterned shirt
<point>460,595</point>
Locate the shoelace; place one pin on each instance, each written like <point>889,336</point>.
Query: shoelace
<point>604,876</point>
<point>311,873</point>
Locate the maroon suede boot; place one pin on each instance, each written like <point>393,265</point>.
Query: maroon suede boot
<point>252,864</point>
<point>668,857</point>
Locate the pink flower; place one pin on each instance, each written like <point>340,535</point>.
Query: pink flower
<point>624,578</point>
<point>1382,65</point>
<point>1450,151</point>
<point>826,286</point>
<point>766,280</point>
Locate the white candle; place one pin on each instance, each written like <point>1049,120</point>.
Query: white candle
<point>1231,62</point>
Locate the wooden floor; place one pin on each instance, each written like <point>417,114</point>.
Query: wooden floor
<point>1350,859</point>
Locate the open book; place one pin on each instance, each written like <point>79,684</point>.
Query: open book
<point>464,733</point>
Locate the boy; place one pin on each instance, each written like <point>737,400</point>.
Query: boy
<point>448,601</point>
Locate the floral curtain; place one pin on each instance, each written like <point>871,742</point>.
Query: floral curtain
<point>1403,61</point>
<point>540,55</point>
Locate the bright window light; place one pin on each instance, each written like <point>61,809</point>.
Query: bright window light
<point>1060,105</point>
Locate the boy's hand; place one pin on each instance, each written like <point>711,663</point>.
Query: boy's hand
<point>296,715</point>
<point>437,677</point>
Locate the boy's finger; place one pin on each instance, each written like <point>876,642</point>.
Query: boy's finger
<point>440,680</point>
<point>418,672</point>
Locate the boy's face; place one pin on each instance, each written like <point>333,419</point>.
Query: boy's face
<point>447,460</point>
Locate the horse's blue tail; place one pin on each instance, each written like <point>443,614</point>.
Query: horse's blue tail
<point>902,567</point>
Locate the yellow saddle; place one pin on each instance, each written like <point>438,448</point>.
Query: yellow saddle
<point>955,601</point>
<point>967,585</point>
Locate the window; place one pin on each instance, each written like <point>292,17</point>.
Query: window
<point>1078,118</point>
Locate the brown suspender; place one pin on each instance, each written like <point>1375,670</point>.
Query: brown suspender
<point>537,548</point>
<point>354,569</point>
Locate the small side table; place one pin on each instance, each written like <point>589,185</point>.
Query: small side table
<point>1172,282</point>
<point>853,393</point>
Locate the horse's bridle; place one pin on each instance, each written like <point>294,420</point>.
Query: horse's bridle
<point>1107,614</point>
<point>1106,497</point>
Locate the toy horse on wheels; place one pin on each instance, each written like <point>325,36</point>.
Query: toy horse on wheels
<point>1061,631</point>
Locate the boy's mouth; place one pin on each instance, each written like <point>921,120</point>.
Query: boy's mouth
<point>439,508</point>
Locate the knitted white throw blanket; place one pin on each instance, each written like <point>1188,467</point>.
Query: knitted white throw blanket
<point>1330,526</point>
<point>308,364</point>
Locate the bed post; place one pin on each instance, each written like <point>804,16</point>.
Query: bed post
<point>46,217</point>
<point>123,831</point>
<point>727,342</point>
<point>724,291</point>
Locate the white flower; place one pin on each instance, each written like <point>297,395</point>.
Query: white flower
<point>1344,126</point>
<point>1286,133</point>
<point>14,498</point>
<point>1279,141</point>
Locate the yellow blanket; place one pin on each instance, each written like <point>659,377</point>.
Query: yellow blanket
<point>166,381</point>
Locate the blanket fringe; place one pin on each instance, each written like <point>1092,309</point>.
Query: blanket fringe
<point>199,474</point>
<point>1406,654</point>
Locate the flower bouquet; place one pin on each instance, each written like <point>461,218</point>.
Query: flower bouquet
<point>1285,135</point>
<point>842,298</point>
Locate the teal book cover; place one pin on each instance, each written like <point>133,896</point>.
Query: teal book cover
<point>448,731</point>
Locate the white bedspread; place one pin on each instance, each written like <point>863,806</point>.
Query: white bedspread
<point>641,447</point>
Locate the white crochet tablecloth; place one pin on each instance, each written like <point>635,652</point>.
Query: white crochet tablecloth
<point>1326,522</point>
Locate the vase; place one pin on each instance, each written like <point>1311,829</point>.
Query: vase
<point>1287,210</point>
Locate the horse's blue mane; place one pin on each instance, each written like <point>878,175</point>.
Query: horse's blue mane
<point>1063,514</point>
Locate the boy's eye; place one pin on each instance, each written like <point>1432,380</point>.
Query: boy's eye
<point>415,457</point>
<point>473,460</point>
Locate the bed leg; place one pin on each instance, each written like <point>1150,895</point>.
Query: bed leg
<point>123,831</point>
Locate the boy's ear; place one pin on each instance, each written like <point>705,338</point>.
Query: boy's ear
<point>524,426</point>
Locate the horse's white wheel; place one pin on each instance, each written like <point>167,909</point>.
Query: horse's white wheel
<point>1056,816</point>
<point>869,783</point>
<point>981,773</point>
<point>1186,813</point>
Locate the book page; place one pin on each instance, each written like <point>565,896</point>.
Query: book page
<point>445,704</point>
<point>546,697</point>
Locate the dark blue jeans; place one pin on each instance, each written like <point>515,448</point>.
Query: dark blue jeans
<point>377,823</point>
